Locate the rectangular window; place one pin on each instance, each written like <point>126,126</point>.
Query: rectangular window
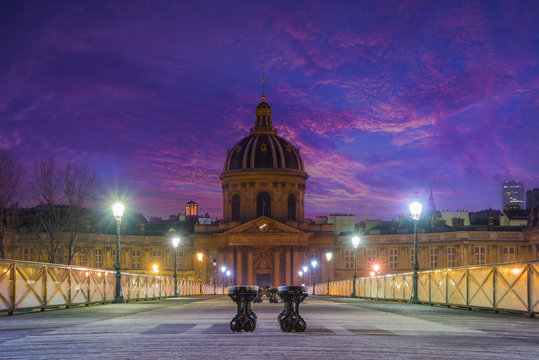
<point>83,257</point>
<point>349,259</point>
<point>450,257</point>
<point>135,259</point>
<point>98,253</point>
<point>508,254</point>
<point>156,254</point>
<point>480,255</point>
<point>412,257</point>
<point>372,255</point>
<point>433,258</point>
<point>179,259</point>
<point>27,254</point>
<point>393,258</point>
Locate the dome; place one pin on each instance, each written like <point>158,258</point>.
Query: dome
<point>263,149</point>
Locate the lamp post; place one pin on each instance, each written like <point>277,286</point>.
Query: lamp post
<point>355,243</point>
<point>314,263</point>
<point>118,212</point>
<point>300,273</point>
<point>175,243</point>
<point>415,211</point>
<point>228,276</point>
<point>329,255</point>
<point>305,269</point>
<point>214,276</point>
<point>200,256</point>
<point>223,271</point>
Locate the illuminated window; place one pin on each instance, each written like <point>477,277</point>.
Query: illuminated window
<point>393,258</point>
<point>433,258</point>
<point>82,257</point>
<point>480,255</point>
<point>291,207</point>
<point>372,255</point>
<point>235,207</point>
<point>98,253</point>
<point>508,254</point>
<point>135,259</point>
<point>450,256</point>
<point>263,204</point>
<point>349,259</point>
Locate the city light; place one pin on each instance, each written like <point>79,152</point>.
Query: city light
<point>175,241</point>
<point>329,256</point>
<point>314,263</point>
<point>355,241</point>
<point>415,210</point>
<point>376,267</point>
<point>118,210</point>
<point>300,273</point>
<point>223,269</point>
<point>155,268</point>
<point>200,256</point>
<point>305,268</point>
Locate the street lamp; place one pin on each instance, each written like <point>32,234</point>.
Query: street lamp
<point>376,268</point>
<point>329,255</point>
<point>228,276</point>
<point>118,212</point>
<point>415,211</point>
<point>223,271</point>
<point>355,243</point>
<point>214,275</point>
<point>175,243</point>
<point>300,273</point>
<point>200,256</point>
<point>305,269</point>
<point>314,263</point>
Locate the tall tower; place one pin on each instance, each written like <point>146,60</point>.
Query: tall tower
<point>513,193</point>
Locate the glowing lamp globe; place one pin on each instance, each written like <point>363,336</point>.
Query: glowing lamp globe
<point>200,256</point>
<point>355,241</point>
<point>314,263</point>
<point>415,210</point>
<point>223,269</point>
<point>376,267</point>
<point>305,268</point>
<point>175,241</point>
<point>118,210</point>
<point>329,256</point>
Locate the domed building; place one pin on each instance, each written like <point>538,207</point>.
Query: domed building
<point>263,237</point>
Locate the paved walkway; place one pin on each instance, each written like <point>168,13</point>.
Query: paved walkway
<point>197,328</point>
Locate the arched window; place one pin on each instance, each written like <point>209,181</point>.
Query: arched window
<point>235,207</point>
<point>263,204</point>
<point>291,207</point>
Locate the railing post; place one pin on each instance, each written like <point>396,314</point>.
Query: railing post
<point>13,288</point>
<point>45,268</point>
<point>529,290</point>
<point>467,286</point>
<point>429,280</point>
<point>69,287</point>
<point>494,288</point>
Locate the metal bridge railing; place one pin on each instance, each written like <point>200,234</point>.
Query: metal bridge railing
<point>29,285</point>
<point>510,286</point>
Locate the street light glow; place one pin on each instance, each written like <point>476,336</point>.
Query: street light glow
<point>300,273</point>
<point>155,268</point>
<point>118,210</point>
<point>329,255</point>
<point>355,241</point>
<point>223,269</point>
<point>314,263</point>
<point>175,241</point>
<point>228,273</point>
<point>200,256</point>
<point>376,267</point>
<point>305,268</point>
<point>415,210</point>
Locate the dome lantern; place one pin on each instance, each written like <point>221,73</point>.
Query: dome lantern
<point>263,124</point>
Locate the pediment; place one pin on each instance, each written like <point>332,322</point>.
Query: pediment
<point>262,225</point>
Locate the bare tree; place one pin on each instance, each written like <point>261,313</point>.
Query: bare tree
<point>10,181</point>
<point>61,195</point>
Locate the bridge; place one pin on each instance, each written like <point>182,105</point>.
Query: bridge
<point>155,325</point>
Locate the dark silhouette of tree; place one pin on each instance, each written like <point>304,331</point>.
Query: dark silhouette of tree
<point>10,182</point>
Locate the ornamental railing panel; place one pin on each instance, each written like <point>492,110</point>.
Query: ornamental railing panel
<point>457,285</point>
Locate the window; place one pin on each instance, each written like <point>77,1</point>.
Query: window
<point>372,255</point>
<point>263,204</point>
<point>135,259</point>
<point>235,207</point>
<point>393,258</point>
<point>508,254</point>
<point>433,258</point>
<point>156,254</point>
<point>412,259</point>
<point>450,257</point>
<point>179,259</point>
<point>480,255</point>
<point>98,253</point>
<point>27,254</point>
<point>349,259</point>
<point>291,207</point>
<point>82,257</point>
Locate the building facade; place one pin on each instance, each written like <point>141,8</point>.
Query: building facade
<point>513,193</point>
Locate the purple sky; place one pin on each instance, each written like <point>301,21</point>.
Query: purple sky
<point>384,100</point>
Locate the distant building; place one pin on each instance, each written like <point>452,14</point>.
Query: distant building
<point>532,199</point>
<point>342,223</point>
<point>513,193</point>
<point>456,217</point>
<point>191,210</point>
<point>514,216</point>
<point>485,217</point>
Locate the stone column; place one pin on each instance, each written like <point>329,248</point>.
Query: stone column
<point>250,267</point>
<point>288,266</point>
<point>230,264</point>
<point>276,267</point>
<point>298,263</point>
<point>239,270</point>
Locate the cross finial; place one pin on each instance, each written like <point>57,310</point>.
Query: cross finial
<point>262,81</point>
